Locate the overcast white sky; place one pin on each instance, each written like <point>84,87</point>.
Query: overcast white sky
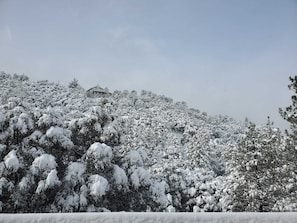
<point>224,57</point>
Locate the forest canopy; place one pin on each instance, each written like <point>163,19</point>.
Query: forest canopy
<point>62,151</point>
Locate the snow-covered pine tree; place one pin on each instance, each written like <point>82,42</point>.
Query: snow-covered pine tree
<point>258,184</point>
<point>73,83</point>
<point>290,112</point>
<point>289,153</point>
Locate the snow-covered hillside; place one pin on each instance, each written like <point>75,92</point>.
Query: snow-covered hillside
<point>62,151</point>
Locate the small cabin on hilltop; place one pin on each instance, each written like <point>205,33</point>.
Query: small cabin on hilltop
<point>97,92</point>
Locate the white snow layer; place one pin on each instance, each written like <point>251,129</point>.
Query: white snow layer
<point>151,217</point>
<point>101,153</point>
<point>98,185</point>
<point>45,162</point>
<point>120,176</point>
<point>75,172</point>
<point>51,180</point>
<point>11,161</point>
<point>60,135</point>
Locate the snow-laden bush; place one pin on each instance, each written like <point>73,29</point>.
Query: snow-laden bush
<point>98,186</point>
<point>99,156</point>
<point>11,161</point>
<point>133,158</point>
<point>50,181</point>
<point>24,123</point>
<point>140,177</point>
<point>5,186</point>
<point>43,164</point>
<point>57,135</point>
<point>120,177</point>
<point>75,172</point>
<point>158,190</point>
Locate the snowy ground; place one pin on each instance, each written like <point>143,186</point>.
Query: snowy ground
<point>150,217</point>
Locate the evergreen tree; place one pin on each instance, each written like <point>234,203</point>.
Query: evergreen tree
<point>290,115</point>
<point>257,162</point>
<point>73,83</point>
<point>289,154</point>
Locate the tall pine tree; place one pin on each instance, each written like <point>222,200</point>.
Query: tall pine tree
<point>256,167</point>
<point>289,154</point>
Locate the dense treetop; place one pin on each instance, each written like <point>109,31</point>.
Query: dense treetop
<point>61,151</point>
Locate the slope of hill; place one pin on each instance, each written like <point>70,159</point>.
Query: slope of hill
<point>62,151</point>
